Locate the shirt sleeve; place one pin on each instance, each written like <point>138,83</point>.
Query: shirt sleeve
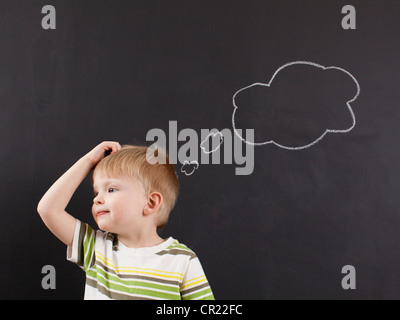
<point>81,252</point>
<point>195,285</point>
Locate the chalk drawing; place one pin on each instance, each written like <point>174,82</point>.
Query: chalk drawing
<point>204,144</point>
<point>313,64</point>
<point>189,168</point>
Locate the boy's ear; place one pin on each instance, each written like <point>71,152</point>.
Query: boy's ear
<point>153,204</point>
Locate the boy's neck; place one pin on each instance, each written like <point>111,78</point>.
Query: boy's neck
<point>140,240</point>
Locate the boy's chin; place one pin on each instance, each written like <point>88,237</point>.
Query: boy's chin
<point>104,227</point>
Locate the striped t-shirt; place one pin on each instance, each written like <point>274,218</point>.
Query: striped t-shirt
<point>169,270</point>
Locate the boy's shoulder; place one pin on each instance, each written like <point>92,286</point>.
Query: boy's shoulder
<point>177,248</point>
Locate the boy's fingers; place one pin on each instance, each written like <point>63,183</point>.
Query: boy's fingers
<point>115,147</point>
<point>109,147</point>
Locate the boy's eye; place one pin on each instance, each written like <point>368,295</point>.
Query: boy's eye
<point>111,190</point>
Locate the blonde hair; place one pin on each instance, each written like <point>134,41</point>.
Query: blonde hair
<point>131,161</point>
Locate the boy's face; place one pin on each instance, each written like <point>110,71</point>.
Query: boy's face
<point>118,203</point>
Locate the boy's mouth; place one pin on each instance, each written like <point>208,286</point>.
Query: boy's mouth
<point>101,212</point>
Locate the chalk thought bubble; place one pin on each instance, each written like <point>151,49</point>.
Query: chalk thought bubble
<point>298,107</point>
<point>189,167</point>
<point>207,145</point>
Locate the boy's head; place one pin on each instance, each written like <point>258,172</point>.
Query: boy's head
<point>131,162</point>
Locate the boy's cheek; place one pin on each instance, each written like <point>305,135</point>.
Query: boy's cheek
<point>94,214</point>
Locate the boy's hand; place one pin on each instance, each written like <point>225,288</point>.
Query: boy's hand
<point>100,151</point>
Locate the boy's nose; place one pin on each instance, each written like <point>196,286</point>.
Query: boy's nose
<point>98,199</point>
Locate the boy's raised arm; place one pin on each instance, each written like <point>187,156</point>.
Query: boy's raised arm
<point>51,207</point>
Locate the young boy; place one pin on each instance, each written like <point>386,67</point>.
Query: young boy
<point>132,198</point>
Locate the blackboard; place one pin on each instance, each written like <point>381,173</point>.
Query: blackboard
<point>114,70</point>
